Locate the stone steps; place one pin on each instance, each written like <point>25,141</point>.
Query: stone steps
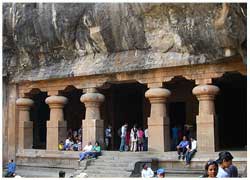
<point>35,163</point>
<point>37,172</point>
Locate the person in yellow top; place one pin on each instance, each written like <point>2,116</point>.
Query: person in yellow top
<point>60,146</point>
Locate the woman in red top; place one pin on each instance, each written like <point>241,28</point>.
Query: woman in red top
<point>127,141</point>
<point>140,139</point>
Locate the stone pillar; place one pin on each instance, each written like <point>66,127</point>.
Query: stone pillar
<point>56,126</point>
<point>158,122</point>
<point>25,138</point>
<point>205,118</point>
<point>93,125</point>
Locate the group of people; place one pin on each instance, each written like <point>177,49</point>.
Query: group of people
<point>134,139</point>
<point>222,167</point>
<point>186,149</point>
<point>73,141</point>
<point>90,151</point>
<point>148,173</point>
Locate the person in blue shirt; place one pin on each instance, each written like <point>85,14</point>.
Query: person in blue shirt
<point>182,148</point>
<point>11,168</point>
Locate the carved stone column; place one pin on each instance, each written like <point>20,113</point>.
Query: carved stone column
<point>56,126</point>
<point>205,119</point>
<point>158,122</point>
<point>25,138</point>
<point>93,125</point>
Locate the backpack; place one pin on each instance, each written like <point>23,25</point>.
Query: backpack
<point>119,132</point>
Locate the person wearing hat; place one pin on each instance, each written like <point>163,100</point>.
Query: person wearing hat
<point>224,161</point>
<point>160,173</point>
<point>146,172</point>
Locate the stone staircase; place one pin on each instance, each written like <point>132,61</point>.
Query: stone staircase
<point>115,164</point>
<point>44,163</point>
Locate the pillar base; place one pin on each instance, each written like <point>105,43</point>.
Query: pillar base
<point>159,134</point>
<point>56,132</point>
<point>205,133</point>
<point>25,138</point>
<point>93,130</point>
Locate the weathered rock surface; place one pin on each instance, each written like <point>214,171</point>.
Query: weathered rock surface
<point>49,40</point>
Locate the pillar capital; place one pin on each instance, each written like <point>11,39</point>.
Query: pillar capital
<point>56,102</point>
<point>157,95</point>
<point>24,103</point>
<point>205,92</point>
<point>92,99</point>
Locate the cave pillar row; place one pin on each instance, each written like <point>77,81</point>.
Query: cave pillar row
<point>92,125</point>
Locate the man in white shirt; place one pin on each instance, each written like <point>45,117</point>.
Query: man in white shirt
<point>191,150</point>
<point>123,137</point>
<point>87,147</point>
<point>146,172</point>
<point>108,137</point>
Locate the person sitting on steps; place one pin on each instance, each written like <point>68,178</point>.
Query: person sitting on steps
<point>191,150</point>
<point>182,148</point>
<point>95,151</point>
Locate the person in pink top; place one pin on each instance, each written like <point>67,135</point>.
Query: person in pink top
<point>140,139</point>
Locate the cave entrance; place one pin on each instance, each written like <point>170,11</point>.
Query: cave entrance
<point>231,111</point>
<point>74,111</point>
<point>39,114</point>
<point>125,102</point>
<point>182,106</point>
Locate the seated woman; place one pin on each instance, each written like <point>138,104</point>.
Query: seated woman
<point>95,151</point>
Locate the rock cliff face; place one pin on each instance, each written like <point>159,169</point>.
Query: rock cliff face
<point>45,40</point>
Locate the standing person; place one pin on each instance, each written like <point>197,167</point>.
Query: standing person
<point>225,161</point>
<point>123,137</point>
<point>108,136</point>
<point>146,172</point>
<point>211,169</point>
<point>140,135</point>
<point>11,168</point>
<point>182,148</point>
<point>186,131</point>
<point>133,138</point>
<point>191,150</point>
<point>175,137</point>
<point>145,142</point>
<point>127,141</point>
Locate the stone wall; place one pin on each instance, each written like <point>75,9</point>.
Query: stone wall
<point>56,40</point>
